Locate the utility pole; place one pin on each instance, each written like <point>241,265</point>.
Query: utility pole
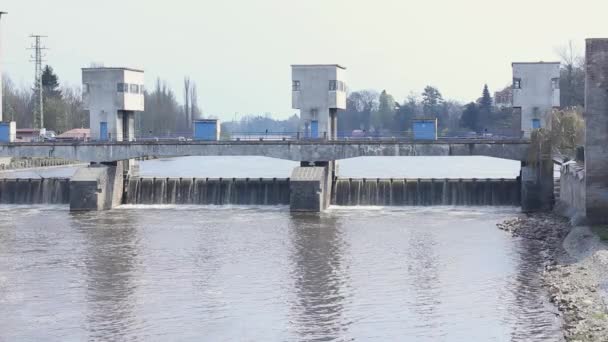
<point>1,13</point>
<point>37,58</point>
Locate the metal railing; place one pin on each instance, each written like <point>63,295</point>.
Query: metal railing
<point>353,136</point>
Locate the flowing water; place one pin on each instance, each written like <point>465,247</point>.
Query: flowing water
<point>159,271</point>
<point>254,274</point>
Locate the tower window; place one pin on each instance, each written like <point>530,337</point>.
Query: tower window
<point>333,85</point>
<point>555,83</point>
<point>295,85</point>
<point>517,83</point>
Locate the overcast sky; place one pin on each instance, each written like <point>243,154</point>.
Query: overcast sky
<point>240,52</point>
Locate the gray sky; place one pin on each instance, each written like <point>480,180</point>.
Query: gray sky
<point>239,52</point>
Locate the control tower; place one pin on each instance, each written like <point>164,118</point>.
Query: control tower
<point>318,91</point>
<point>112,96</point>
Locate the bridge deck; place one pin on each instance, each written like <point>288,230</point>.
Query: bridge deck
<point>300,150</point>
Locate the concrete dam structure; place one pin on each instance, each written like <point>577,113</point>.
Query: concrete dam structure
<point>208,191</point>
<point>277,191</point>
<point>35,191</point>
<point>426,192</point>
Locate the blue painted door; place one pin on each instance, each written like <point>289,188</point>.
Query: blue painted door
<point>5,132</point>
<point>103,131</point>
<point>535,123</point>
<point>314,129</point>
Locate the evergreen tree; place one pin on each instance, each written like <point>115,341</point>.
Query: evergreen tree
<point>50,83</point>
<point>432,102</point>
<point>485,103</point>
<point>485,109</point>
<point>470,117</point>
<point>386,110</point>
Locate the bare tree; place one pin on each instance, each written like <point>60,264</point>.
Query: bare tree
<point>187,99</point>
<point>195,112</point>
<point>572,78</point>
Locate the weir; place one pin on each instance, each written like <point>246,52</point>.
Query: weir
<point>35,191</point>
<point>208,191</point>
<point>426,192</point>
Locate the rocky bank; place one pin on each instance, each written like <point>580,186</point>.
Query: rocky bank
<point>576,272</point>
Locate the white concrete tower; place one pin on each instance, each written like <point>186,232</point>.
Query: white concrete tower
<point>535,93</point>
<point>318,91</point>
<point>112,96</point>
<point>1,13</point>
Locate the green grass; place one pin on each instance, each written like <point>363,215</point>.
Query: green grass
<point>601,231</point>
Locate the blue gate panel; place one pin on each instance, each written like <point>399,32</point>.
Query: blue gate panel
<point>314,129</point>
<point>425,129</point>
<point>205,130</point>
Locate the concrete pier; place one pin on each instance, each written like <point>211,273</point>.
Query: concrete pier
<point>537,188</point>
<point>596,121</point>
<point>97,187</point>
<point>310,187</point>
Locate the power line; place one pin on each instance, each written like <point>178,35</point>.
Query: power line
<point>37,59</point>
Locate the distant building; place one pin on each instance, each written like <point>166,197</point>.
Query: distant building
<point>75,134</point>
<point>318,91</point>
<point>504,98</point>
<point>29,134</point>
<point>112,96</point>
<point>535,93</point>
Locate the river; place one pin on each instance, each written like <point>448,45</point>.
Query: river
<point>192,273</point>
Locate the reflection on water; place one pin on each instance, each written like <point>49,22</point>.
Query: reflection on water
<point>319,277</point>
<point>110,259</point>
<point>233,274</point>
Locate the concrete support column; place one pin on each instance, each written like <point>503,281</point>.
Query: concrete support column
<point>333,124</point>
<point>596,125</point>
<point>97,187</point>
<point>310,186</point>
<point>537,186</point>
<point>537,189</point>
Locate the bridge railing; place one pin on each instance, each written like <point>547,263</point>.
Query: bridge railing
<point>293,136</point>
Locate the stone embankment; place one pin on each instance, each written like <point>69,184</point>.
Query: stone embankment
<point>576,273</point>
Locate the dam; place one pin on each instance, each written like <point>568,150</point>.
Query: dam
<point>157,185</point>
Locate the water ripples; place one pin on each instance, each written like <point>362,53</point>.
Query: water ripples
<point>413,274</point>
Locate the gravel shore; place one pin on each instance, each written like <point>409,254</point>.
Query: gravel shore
<point>576,272</point>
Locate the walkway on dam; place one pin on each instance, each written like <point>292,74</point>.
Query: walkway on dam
<point>300,150</point>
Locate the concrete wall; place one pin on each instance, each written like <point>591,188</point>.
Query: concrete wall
<point>596,124</point>
<point>104,101</point>
<point>536,98</point>
<point>314,99</point>
<point>297,151</point>
<point>572,192</point>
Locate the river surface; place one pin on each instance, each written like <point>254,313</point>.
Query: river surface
<point>203,273</point>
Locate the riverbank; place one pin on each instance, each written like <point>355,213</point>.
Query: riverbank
<point>576,272</point>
